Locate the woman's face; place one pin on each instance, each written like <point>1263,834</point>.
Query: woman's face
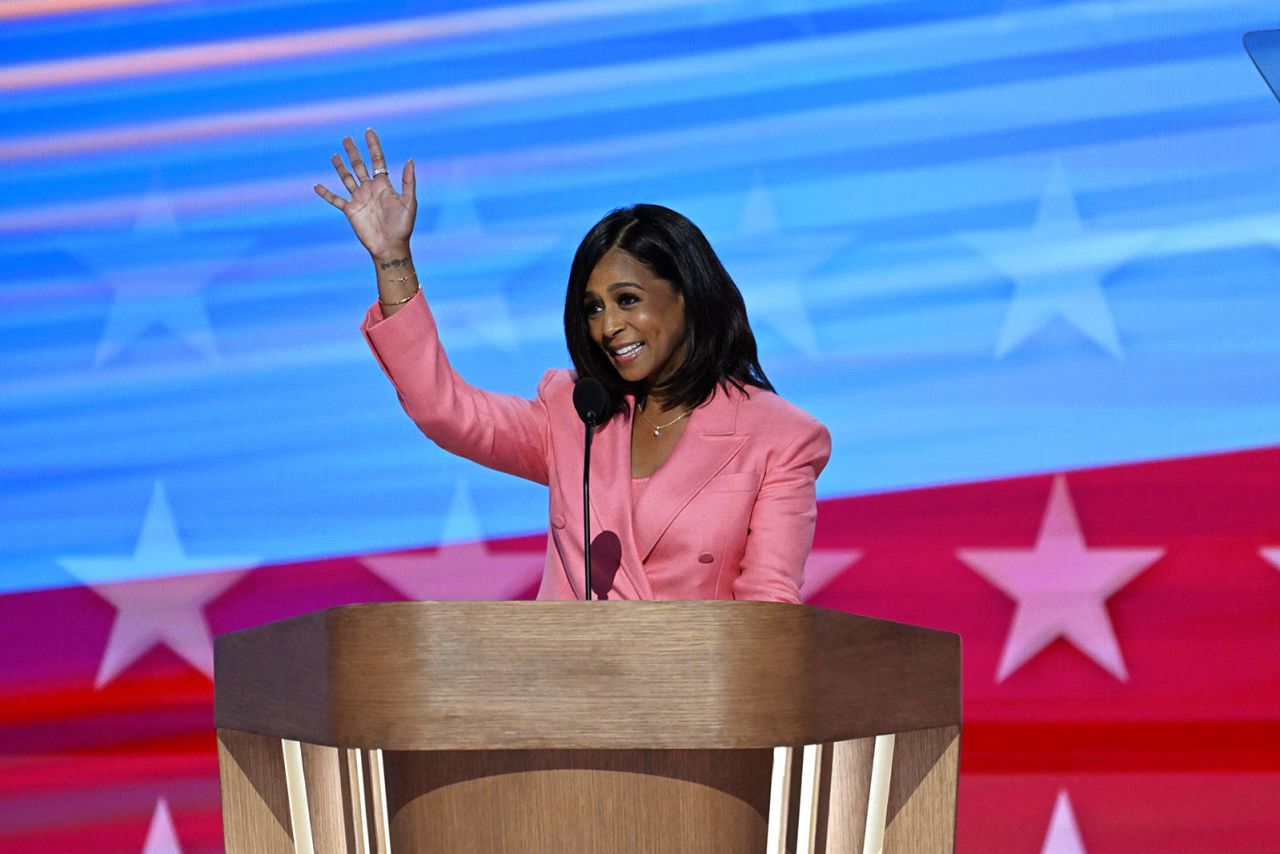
<point>636,318</point>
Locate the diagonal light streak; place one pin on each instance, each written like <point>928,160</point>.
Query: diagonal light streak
<point>316,43</point>
<point>841,58</point>
<point>880,50</point>
<point>14,9</point>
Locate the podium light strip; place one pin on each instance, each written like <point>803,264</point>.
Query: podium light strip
<point>810,780</point>
<point>295,782</point>
<point>878,797</point>
<point>359,817</point>
<point>378,788</point>
<point>779,800</point>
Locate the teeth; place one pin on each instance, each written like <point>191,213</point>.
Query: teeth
<point>627,350</point>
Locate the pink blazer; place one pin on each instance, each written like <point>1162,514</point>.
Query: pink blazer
<point>730,515</point>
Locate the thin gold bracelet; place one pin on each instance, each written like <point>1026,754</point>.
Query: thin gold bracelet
<point>416,289</point>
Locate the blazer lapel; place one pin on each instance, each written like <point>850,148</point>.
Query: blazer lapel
<point>611,500</point>
<point>708,444</point>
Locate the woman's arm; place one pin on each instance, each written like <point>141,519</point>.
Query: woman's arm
<point>499,431</point>
<point>782,521</point>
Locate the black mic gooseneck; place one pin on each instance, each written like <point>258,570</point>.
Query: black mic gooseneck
<point>592,402</point>
<point>586,506</point>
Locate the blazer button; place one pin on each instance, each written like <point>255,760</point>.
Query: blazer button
<point>706,557</point>
<point>558,520</point>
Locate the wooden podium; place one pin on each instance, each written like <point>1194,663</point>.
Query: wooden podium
<point>587,727</point>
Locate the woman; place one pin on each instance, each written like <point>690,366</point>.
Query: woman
<point>703,477</point>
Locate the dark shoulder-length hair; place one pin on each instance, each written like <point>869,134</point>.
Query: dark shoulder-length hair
<point>720,349</point>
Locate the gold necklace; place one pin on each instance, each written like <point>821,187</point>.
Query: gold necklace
<point>658,428</point>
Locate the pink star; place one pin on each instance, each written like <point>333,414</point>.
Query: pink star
<point>1061,587</point>
<point>823,567</point>
<point>163,611</point>
<point>159,592</point>
<point>162,838</point>
<point>1064,835</point>
<point>463,570</point>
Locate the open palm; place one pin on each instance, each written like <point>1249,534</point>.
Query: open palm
<point>381,217</point>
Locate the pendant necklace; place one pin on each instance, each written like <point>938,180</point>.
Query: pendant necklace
<point>658,428</point>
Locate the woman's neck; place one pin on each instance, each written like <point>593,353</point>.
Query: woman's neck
<point>656,406</point>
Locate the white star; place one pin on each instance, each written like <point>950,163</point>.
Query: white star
<point>1272,555</point>
<point>464,568</point>
<point>477,320</point>
<point>823,567</point>
<point>759,213</point>
<point>156,274</point>
<point>1017,14</point>
<point>464,253</point>
<point>458,213</point>
<point>772,267</point>
<point>162,838</point>
<point>1057,268</point>
<point>1063,836</point>
<point>796,13</point>
<point>1061,587</point>
<point>151,610</point>
<point>1268,230</point>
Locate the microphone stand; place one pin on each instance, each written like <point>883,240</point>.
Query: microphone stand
<point>586,503</point>
<point>591,401</point>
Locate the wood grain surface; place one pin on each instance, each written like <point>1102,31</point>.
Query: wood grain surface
<point>850,790</point>
<point>570,726</point>
<point>255,800</point>
<point>329,799</point>
<point>580,800</point>
<point>922,794</point>
<point>645,675</point>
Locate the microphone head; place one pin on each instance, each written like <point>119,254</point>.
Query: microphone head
<point>591,400</point>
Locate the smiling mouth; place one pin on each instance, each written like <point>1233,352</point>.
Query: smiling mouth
<point>627,353</point>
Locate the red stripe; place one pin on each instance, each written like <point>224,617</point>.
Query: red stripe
<point>1200,746</point>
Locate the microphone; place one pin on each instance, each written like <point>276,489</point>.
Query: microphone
<point>592,402</point>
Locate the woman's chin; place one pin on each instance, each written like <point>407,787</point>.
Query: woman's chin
<point>630,373</point>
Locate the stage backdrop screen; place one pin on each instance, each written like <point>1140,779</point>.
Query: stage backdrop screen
<point>1022,257</point>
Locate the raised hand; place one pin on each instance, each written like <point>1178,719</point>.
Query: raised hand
<point>380,217</point>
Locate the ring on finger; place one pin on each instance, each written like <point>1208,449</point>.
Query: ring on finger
<point>381,171</point>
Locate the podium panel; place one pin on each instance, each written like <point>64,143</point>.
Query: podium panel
<point>579,800</point>
<point>618,727</point>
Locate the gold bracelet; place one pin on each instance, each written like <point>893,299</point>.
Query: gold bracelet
<point>400,302</point>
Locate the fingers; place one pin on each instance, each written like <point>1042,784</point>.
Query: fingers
<point>375,153</point>
<point>354,181</point>
<point>353,154</point>
<point>332,198</point>
<point>341,168</point>
<point>409,181</point>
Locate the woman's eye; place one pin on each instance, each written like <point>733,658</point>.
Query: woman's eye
<point>628,299</point>
<point>590,309</point>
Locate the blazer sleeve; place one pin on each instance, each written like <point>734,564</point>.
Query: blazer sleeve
<point>782,521</point>
<point>500,431</point>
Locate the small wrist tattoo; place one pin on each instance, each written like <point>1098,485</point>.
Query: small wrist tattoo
<point>394,262</point>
